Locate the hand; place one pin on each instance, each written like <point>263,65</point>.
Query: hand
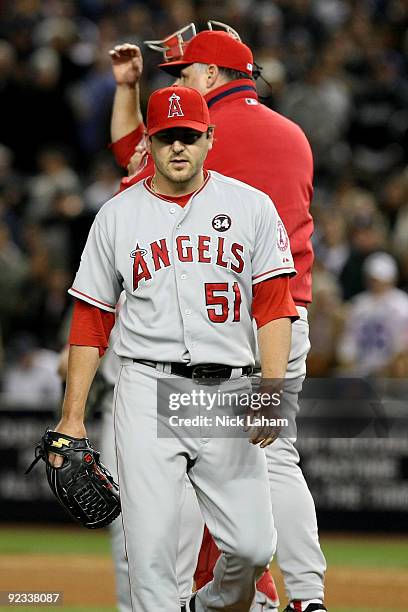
<point>263,419</point>
<point>266,432</point>
<point>127,64</point>
<point>76,430</point>
<point>138,160</point>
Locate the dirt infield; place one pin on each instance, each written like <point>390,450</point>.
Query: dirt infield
<point>83,580</point>
<point>347,587</point>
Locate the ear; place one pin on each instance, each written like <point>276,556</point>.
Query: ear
<point>210,138</point>
<point>212,75</point>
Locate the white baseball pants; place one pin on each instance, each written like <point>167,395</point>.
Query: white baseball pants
<point>231,484</point>
<point>190,534</point>
<point>298,552</point>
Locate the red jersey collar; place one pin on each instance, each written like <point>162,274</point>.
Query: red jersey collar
<point>240,88</point>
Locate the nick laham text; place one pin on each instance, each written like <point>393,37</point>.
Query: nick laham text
<point>226,421</point>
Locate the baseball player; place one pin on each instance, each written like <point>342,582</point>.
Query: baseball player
<point>264,149</point>
<point>192,250</point>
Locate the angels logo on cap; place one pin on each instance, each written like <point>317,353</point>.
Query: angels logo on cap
<point>175,109</point>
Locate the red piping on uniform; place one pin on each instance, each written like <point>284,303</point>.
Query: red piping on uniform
<point>91,298</point>
<point>163,197</point>
<point>269,272</point>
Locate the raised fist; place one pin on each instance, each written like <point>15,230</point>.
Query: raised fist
<point>127,64</point>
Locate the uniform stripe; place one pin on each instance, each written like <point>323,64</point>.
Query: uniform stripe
<point>163,197</point>
<point>290,270</point>
<point>90,299</point>
<point>229,92</point>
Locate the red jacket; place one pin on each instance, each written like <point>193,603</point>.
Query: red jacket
<point>258,146</point>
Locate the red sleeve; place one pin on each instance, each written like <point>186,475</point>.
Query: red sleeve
<point>124,148</point>
<point>272,300</point>
<point>91,326</point>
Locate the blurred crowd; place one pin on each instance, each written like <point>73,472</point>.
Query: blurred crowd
<point>336,67</point>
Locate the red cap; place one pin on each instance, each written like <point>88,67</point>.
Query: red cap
<point>214,47</point>
<point>177,107</point>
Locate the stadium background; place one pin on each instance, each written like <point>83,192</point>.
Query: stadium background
<point>339,69</point>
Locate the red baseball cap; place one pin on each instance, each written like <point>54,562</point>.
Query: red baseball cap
<point>214,47</point>
<point>177,107</point>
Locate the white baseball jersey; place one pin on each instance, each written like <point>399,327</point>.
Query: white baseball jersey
<point>110,364</point>
<point>187,272</point>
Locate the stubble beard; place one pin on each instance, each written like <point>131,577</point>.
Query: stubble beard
<point>180,176</point>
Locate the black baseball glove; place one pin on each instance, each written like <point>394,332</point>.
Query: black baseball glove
<point>83,485</point>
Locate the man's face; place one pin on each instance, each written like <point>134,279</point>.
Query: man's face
<point>195,77</point>
<point>179,153</point>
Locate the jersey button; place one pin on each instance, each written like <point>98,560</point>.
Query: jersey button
<point>172,210</point>
<point>187,311</point>
<point>183,276</point>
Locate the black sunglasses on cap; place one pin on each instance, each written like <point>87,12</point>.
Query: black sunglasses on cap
<point>184,135</point>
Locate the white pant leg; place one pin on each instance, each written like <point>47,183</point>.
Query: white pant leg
<point>298,550</point>
<point>190,537</point>
<point>152,486</point>
<point>108,458</point>
<point>262,603</point>
<point>230,478</point>
<point>190,534</point>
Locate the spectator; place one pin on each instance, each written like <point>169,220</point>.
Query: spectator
<point>105,185</point>
<point>31,379</point>
<point>326,314</point>
<point>321,105</point>
<point>380,118</point>
<point>376,329</point>
<point>395,203</point>
<point>14,271</point>
<point>55,176</point>
<point>66,229</point>
<point>333,249</point>
<point>92,99</point>
<point>13,196</point>
<point>12,97</point>
<point>51,118</point>
<point>367,236</point>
